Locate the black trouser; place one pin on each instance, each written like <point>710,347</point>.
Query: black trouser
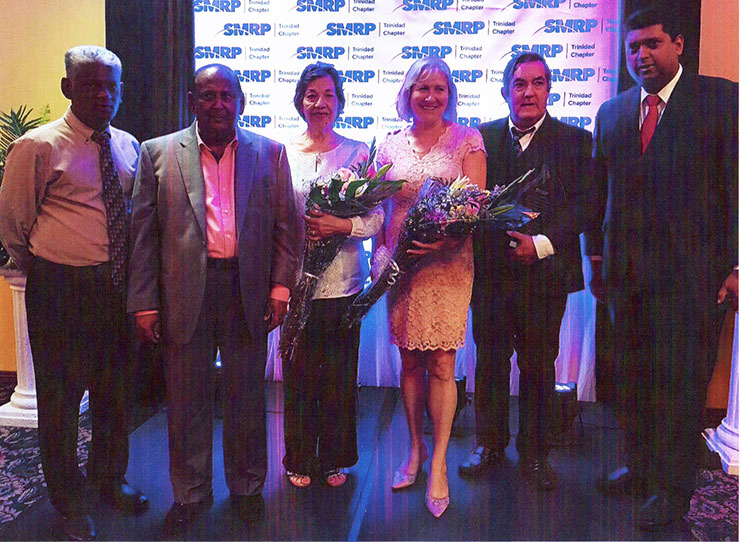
<point>319,391</point>
<point>665,347</point>
<point>512,318</point>
<point>77,331</point>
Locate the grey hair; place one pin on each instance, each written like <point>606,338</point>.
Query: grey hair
<point>88,53</point>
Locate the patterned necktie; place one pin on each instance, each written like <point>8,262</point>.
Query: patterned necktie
<point>649,123</point>
<point>518,134</point>
<point>115,207</point>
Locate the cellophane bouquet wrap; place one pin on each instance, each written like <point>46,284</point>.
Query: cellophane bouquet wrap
<point>347,193</point>
<point>458,208</point>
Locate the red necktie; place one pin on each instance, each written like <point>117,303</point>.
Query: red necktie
<point>649,123</point>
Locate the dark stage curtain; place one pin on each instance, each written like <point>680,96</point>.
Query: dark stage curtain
<point>155,42</point>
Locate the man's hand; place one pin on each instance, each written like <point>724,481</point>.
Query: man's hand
<point>729,290</point>
<point>524,252</point>
<point>148,327</point>
<point>596,283</point>
<point>276,313</point>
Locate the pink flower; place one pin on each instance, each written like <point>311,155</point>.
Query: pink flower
<point>344,174</point>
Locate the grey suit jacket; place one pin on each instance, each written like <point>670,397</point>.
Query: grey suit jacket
<point>167,269</point>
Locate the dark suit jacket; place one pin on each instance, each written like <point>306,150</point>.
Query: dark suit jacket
<point>672,213</point>
<point>566,149</point>
<point>168,236</point>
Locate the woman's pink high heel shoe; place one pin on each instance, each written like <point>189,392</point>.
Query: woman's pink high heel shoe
<point>436,506</point>
<point>403,479</point>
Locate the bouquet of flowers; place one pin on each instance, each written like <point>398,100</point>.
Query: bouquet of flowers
<point>456,209</point>
<point>347,193</point>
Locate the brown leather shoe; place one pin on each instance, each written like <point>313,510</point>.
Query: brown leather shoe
<point>78,527</point>
<point>538,473</point>
<point>250,508</point>
<point>182,514</point>
<point>124,497</point>
<point>479,460</point>
<point>657,512</point>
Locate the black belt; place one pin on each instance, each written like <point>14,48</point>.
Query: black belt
<point>223,263</point>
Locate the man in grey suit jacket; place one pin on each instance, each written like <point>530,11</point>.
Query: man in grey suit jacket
<point>214,256</point>
<point>667,151</point>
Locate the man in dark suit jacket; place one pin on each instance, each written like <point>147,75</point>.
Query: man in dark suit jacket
<point>522,279</point>
<point>668,243</point>
<point>214,233</point>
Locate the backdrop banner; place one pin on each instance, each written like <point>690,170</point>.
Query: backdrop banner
<point>372,43</point>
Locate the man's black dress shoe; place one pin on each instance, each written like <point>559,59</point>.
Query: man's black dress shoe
<point>480,459</point>
<point>79,527</point>
<point>124,497</point>
<point>623,481</point>
<point>182,514</point>
<point>538,473</point>
<point>657,512</point>
<point>250,508</point>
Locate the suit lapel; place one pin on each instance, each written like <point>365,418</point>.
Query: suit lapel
<point>628,124</point>
<point>188,156</point>
<point>677,108</point>
<point>244,173</point>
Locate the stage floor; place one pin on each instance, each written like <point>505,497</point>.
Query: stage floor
<point>496,507</point>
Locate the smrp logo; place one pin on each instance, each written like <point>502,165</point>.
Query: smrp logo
<point>246,29</point>
<point>204,51</point>
<point>319,53</point>
<point>559,26</point>
<point>469,121</point>
<point>353,122</point>
<point>572,74</point>
<point>553,97</point>
<point>426,5</point>
<point>252,76</point>
<point>350,29</point>
<point>320,5</point>
<point>229,6</point>
<point>535,4</point>
<point>445,28</point>
<point>356,76</point>
<point>581,122</point>
<point>415,51</point>
<point>546,50</point>
<point>254,121</point>
<point>466,76</point>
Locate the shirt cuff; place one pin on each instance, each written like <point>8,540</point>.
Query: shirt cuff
<point>543,246</point>
<point>595,258</point>
<point>280,292</point>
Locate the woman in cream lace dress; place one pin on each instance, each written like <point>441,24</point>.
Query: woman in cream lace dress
<point>429,309</point>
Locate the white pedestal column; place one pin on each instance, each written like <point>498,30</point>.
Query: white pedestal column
<point>724,439</point>
<point>21,410</point>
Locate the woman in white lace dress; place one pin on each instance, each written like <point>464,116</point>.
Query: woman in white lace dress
<point>428,311</point>
<point>320,384</point>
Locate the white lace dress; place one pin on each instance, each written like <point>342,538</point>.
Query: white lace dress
<point>428,309</point>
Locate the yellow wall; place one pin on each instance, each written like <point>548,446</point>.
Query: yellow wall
<point>36,33</point>
<point>719,38</point>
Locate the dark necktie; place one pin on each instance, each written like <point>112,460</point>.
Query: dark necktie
<point>518,134</point>
<point>115,207</point>
<point>649,123</point>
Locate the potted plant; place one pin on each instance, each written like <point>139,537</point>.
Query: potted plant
<point>12,126</point>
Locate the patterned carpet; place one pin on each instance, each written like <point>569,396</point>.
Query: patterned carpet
<point>21,478</point>
<point>713,515</point>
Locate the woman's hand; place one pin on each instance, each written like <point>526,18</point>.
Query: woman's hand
<point>320,225</point>
<point>442,246</point>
